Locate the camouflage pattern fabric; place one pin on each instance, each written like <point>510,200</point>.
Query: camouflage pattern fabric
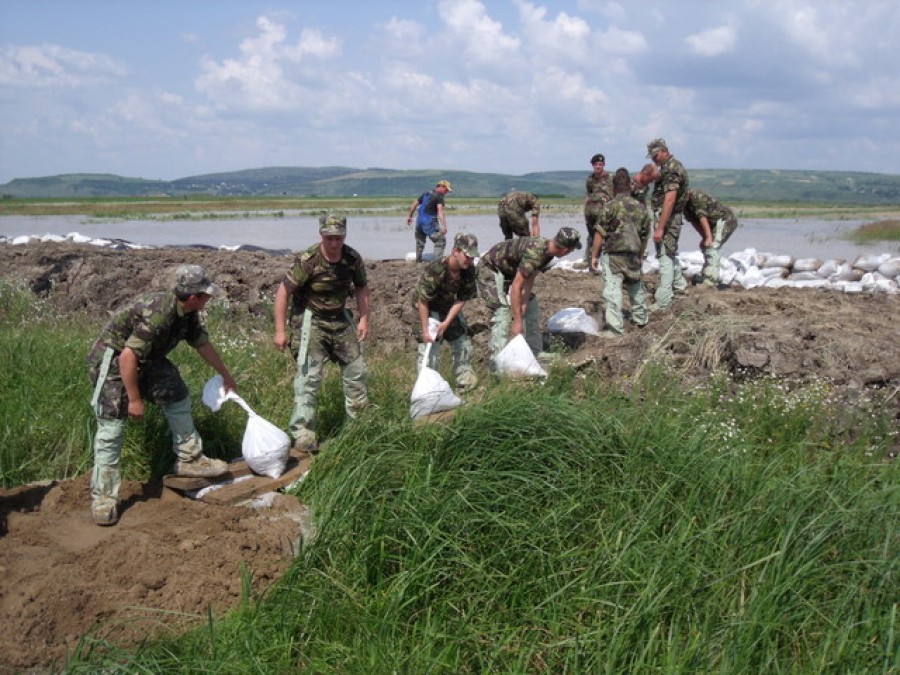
<point>321,286</point>
<point>598,190</point>
<point>512,209</point>
<point>672,177</point>
<point>159,382</point>
<point>701,205</point>
<point>438,288</point>
<point>625,226</point>
<point>640,192</point>
<point>528,255</point>
<point>151,325</point>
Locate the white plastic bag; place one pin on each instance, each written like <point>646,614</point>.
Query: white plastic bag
<point>516,359</point>
<point>431,392</point>
<point>265,447</point>
<point>573,320</point>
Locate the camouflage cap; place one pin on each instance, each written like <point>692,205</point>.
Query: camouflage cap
<point>445,184</point>
<point>467,243</point>
<point>193,280</point>
<point>333,225</point>
<point>568,237</point>
<point>655,146</point>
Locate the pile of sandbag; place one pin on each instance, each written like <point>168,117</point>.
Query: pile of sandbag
<point>751,269</point>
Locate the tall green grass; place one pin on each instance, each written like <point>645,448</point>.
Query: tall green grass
<point>557,527</point>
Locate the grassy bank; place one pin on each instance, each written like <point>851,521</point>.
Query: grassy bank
<point>562,527</point>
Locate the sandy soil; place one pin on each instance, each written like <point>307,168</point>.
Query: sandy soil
<point>171,558</point>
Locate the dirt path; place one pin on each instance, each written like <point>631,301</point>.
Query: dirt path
<point>170,558</point>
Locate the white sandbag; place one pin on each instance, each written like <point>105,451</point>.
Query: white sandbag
<point>878,283</point>
<point>846,272</point>
<point>573,320</point>
<point>650,265</point>
<point>769,272</point>
<point>727,274</point>
<point>810,283</point>
<point>516,359</point>
<point>752,278</point>
<point>770,260</point>
<point>870,263</point>
<point>804,276</point>
<point>806,265</point>
<point>745,260</point>
<point>265,447</point>
<point>830,267</point>
<point>691,258</point>
<point>847,286</point>
<point>775,282</point>
<point>431,394</point>
<point>890,268</point>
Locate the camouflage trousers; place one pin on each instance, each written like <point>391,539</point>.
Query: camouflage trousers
<point>513,223</point>
<point>159,382</point>
<point>590,224</point>
<point>323,340</point>
<point>457,336</point>
<point>721,231</point>
<point>492,290</point>
<point>438,238</point>
<point>671,278</point>
<point>613,283</point>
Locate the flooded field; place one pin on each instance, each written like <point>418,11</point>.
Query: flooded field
<point>386,238</point>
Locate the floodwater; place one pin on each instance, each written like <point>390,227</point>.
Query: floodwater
<point>386,238</point>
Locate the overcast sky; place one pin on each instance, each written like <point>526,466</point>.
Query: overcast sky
<point>166,89</point>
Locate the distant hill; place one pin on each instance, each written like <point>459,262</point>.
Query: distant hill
<point>838,187</point>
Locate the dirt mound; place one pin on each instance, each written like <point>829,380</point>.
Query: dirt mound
<point>170,558</point>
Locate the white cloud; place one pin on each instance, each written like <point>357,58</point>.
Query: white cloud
<point>265,76</point>
<point>713,42</point>
<point>46,65</point>
<point>480,39</point>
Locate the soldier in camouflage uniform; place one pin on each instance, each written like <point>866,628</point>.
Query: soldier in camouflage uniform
<point>431,223</point>
<point>622,233</point>
<point>640,182</point>
<point>319,283</point>
<point>442,291</point>
<point>715,223</point>
<point>668,202</point>
<point>505,278</point>
<point>598,191</point>
<point>512,209</point>
<point>128,365</point>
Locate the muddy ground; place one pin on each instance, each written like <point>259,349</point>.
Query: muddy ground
<point>171,559</point>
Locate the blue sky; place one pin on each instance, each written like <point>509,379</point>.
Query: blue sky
<point>166,89</point>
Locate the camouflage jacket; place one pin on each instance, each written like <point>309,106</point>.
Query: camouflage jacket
<point>519,203</point>
<point>625,226</point>
<point>598,191</point>
<point>640,192</point>
<point>527,255</point>
<point>321,286</point>
<point>440,290</point>
<point>672,177</point>
<point>701,205</point>
<point>152,325</point>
